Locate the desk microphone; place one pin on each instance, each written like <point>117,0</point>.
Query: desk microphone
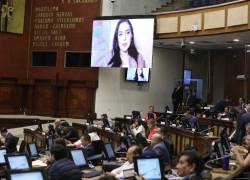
<point>216,159</point>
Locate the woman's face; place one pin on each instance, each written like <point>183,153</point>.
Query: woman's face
<point>124,36</point>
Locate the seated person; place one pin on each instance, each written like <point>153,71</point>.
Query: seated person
<point>152,128</point>
<point>85,143</point>
<point>151,112</point>
<point>147,150</point>
<point>166,140</point>
<point>39,127</point>
<point>137,128</point>
<point>58,127</point>
<point>190,165</point>
<point>192,120</point>
<point>68,132</point>
<point>241,151</point>
<point>105,121</point>
<point>160,149</point>
<point>133,151</point>
<point>62,168</point>
<point>10,141</point>
<point>51,130</point>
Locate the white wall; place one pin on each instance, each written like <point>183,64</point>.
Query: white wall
<point>117,97</point>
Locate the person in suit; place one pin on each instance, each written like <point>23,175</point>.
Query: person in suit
<point>177,96</point>
<point>10,141</point>
<point>220,106</point>
<point>192,120</point>
<point>69,132</point>
<point>244,119</point>
<point>62,168</point>
<point>160,148</point>
<point>190,165</point>
<point>190,100</point>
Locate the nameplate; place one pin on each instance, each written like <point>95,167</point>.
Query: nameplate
<point>225,119</point>
<point>95,125</point>
<point>107,129</point>
<point>162,123</point>
<point>87,124</point>
<point>169,112</point>
<point>207,108</point>
<point>174,125</point>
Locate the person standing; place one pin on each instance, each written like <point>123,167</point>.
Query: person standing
<point>177,96</point>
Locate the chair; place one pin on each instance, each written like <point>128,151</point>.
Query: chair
<point>22,147</point>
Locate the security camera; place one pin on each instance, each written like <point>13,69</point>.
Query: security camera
<point>112,1</point>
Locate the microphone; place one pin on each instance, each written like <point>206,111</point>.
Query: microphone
<point>216,159</point>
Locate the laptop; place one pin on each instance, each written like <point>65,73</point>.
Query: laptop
<point>2,153</point>
<point>149,168</point>
<point>32,150</point>
<point>109,151</point>
<point>17,161</point>
<point>79,158</point>
<point>30,174</point>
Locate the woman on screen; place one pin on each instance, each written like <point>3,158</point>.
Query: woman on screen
<point>139,76</point>
<point>124,52</point>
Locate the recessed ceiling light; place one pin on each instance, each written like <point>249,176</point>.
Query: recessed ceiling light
<point>236,40</point>
<point>229,47</point>
<point>191,42</point>
<point>248,45</point>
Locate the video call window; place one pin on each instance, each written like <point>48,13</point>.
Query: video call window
<point>137,74</point>
<point>44,59</point>
<point>77,59</point>
<point>125,42</point>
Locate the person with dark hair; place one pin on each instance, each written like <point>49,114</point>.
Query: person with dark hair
<point>60,141</point>
<point>10,141</point>
<point>192,121</point>
<point>150,114</point>
<point>51,130</point>
<point>152,128</point>
<point>177,96</point>
<point>190,165</point>
<point>62,168</point>
<point>125,53</point>
<point>147,151</point>
<point>166,140</point>
<point>139,76</point>
<point>137,128</point>
<point>69,132</point>
<point>39,127</point>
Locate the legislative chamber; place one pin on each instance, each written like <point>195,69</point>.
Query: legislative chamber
<point>115,89</point>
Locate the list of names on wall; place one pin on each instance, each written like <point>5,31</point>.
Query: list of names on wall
<point>53,24</point>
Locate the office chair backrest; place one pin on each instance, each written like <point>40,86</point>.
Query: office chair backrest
<point>22,147</point>
<point>98,145</point>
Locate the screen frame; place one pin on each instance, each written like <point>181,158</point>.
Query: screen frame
<point>126,74</point>
<point>29,151</point>
<point>106,152</point>
<point>42,171</point>
<point>155,157</point>
<point>3,148</point>
<point>184,76</point>
<point>131,17</point>
<point>85,157</point>
<point>15,155</point>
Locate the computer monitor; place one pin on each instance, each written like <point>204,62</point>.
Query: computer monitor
<point>32,149</point>
<point>34,174</point>
<point>218,148</point>
<point>109,151</point>
<point>17,161</point>
<point>79,158</point>
<point>49,142</point>
<point>149,168</point>
<point>2,153</point>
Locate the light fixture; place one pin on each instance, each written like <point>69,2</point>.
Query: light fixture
<point>236,40</point>
<point>229,47</point>
<point>191,42</point>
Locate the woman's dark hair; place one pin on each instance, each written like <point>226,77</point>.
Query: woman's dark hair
<point>132,51</point>
<point>60,141</point>
<point>136,74</point>
<point>59,151</point>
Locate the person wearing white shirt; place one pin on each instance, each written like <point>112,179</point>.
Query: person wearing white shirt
<point>133,151</point>
<point>137,128</point>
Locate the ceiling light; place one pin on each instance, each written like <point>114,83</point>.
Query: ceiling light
<point>229,47</point>
<point>248,45</point>
<point>191,42</point>
<point>236,40</point>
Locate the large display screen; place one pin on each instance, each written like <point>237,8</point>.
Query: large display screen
<point>125,42</point>
<point>137,74</point>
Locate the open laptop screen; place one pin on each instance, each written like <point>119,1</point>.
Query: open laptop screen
<point>78,157</point>
<point>27,176</point>
<point>17,162</point>
<point>149,168</point>
<point>2,153</point>
<point>110,151</point>
<point>33,149</point>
